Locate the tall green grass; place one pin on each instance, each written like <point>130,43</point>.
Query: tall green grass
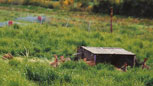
<point>48,39</point>
<point>42,41</point>
<point>11,76</point>
<point>71,73</point>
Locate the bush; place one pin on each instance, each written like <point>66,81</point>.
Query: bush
<point>102,7</point>
<point>41,3</point>
<point>136,8</point>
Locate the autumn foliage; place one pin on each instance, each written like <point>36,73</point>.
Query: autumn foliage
<point>43,3</point>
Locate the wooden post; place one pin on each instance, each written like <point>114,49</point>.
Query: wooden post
<point>67,22</point>
<point>111,21</point>
<point>89,24</point>
<point>95,58</point>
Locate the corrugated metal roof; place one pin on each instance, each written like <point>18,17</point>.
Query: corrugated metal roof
<point>108,50</point>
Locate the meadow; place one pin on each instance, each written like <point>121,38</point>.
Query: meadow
<point>61,35</point>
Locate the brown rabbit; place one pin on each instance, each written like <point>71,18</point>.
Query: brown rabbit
<point>55,63</point>
<point>144,65</point>
<point>124,68</point>
<point>7,56</point>
<point>90,63</point>
<point>62,59</point>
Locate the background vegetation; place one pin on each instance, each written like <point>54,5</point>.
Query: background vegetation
<point>135,8</point>
<point>25,73</point>
<point>56,37</point>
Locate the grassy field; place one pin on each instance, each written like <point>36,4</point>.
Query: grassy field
<point>61,35</point>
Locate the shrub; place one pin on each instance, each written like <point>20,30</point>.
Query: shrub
<point>136,8</point>
<point>103,7</point>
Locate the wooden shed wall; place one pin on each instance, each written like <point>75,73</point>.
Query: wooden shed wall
<point>117,60</point>
<point>82,53</point>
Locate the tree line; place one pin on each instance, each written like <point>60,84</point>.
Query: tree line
<point>135,8</point>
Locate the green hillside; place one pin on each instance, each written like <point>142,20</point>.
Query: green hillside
<point>61,35</point>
